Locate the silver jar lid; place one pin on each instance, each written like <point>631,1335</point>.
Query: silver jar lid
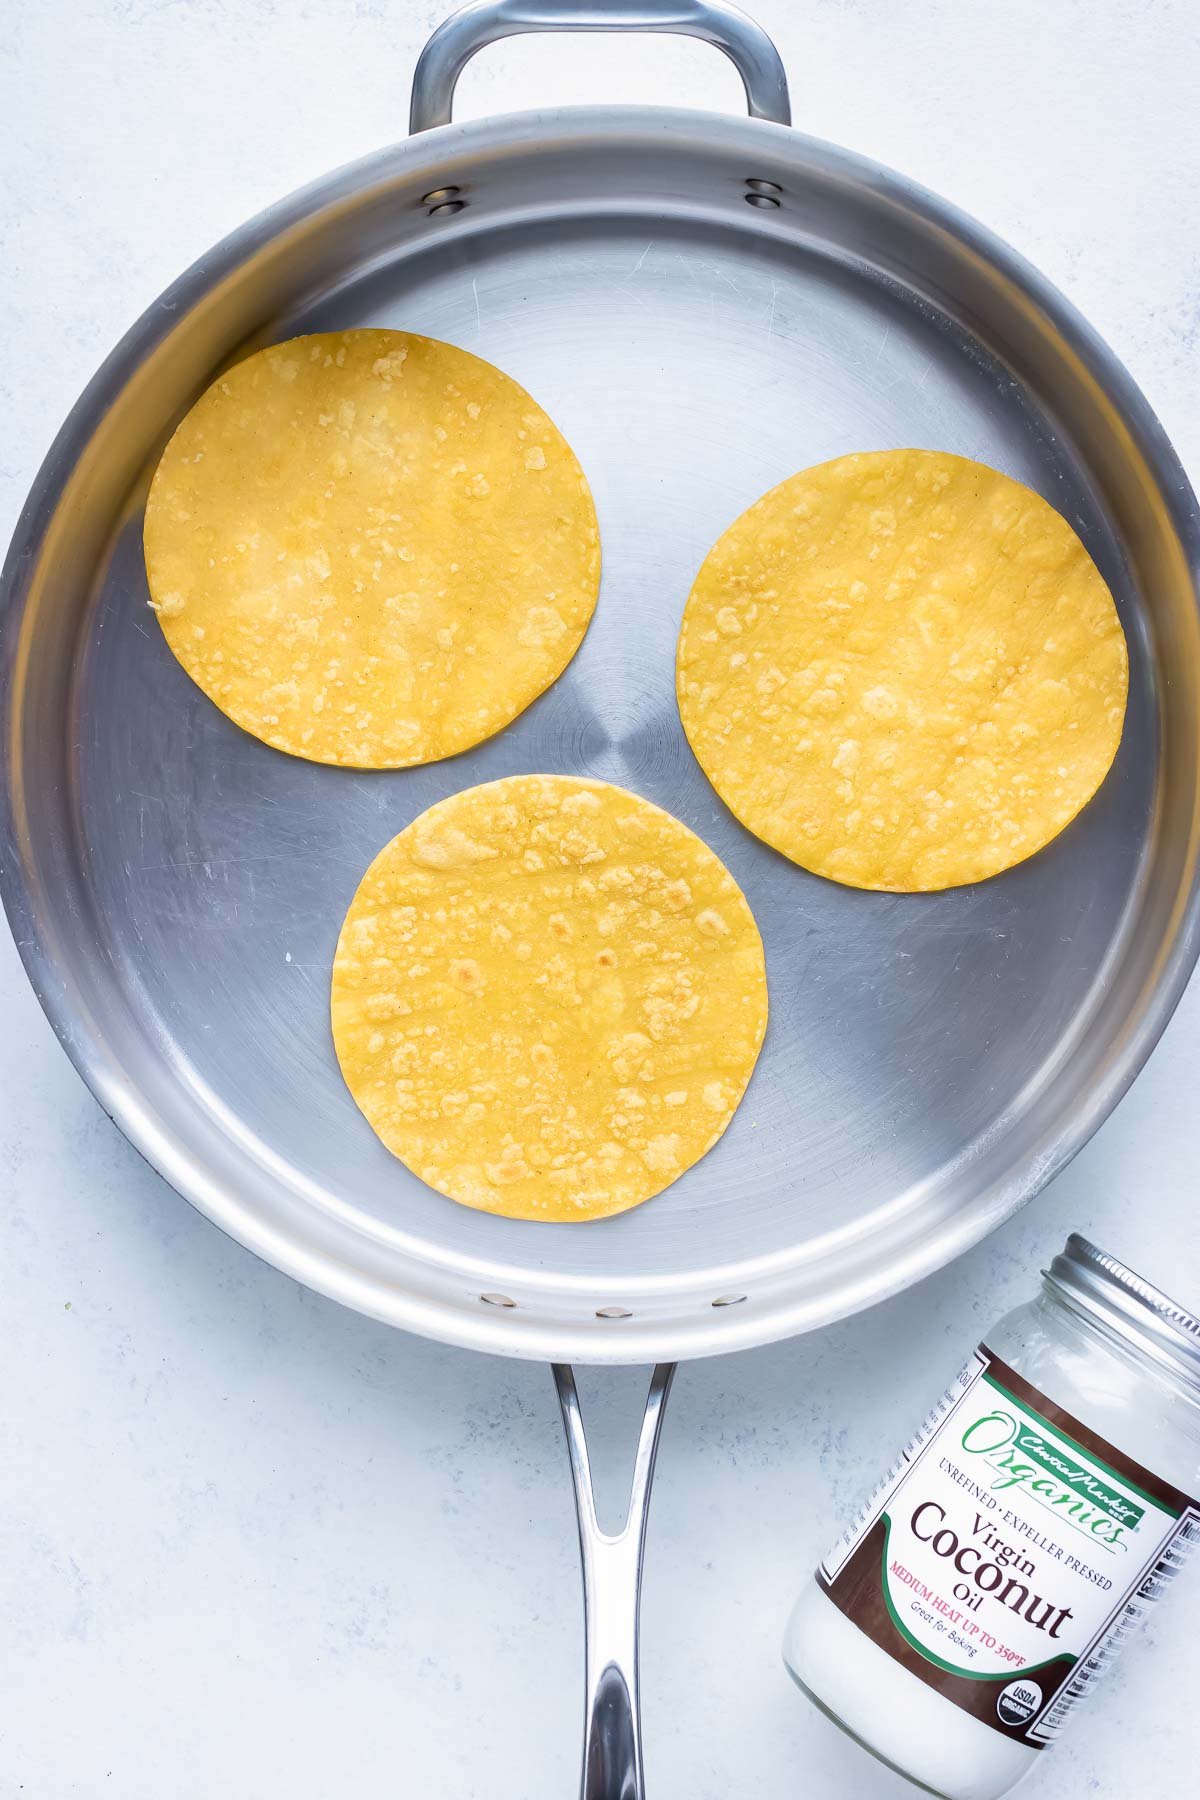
<point>1142,1315</point>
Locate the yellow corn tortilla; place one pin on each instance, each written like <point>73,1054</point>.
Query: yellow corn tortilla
<point>548,997</point>
<point>370,548</point>
<point>903,670</point>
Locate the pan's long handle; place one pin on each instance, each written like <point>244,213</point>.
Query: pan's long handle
<point>482,22</point>
<point>612,1583</point>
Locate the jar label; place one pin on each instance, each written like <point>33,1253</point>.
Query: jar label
<point>1009,1552</point>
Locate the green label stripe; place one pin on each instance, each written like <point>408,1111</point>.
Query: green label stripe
<point>1092,1461</point>
<point>940,1662</point>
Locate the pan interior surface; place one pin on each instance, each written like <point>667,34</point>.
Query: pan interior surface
<point>186,884</point>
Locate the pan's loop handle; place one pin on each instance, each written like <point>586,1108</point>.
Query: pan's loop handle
<point>612,1586</point>
<point>482,22</point>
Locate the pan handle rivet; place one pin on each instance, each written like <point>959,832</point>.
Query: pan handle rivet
<point>497,1300</point>
<point>729,1299</point>
<point>436,197</point>
<point>758,186</point>
<point>613,1312</point>
<point>761,200</point>
<point>447,206</point>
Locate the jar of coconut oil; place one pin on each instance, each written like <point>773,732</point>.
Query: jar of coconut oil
<point>1037,1515</point>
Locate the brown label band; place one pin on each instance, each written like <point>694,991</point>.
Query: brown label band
<point>858,1591</point>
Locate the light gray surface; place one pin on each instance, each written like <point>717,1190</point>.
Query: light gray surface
<point>261,1544</point>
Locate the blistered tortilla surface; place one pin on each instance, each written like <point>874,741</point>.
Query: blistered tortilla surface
<point>903,670</point>
<point>548,997</point>
<point>370,548</point>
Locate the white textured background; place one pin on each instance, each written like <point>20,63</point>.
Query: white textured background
<point>251,1545</point>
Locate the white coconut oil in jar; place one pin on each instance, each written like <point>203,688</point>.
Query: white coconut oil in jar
<point>1041,1509</point>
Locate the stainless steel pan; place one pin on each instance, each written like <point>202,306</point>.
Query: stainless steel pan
<point>704,305</point>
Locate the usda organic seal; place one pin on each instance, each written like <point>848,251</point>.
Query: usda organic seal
<point>1018,1702</point>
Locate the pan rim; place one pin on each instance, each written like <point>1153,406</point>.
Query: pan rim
<point>517,1331</point>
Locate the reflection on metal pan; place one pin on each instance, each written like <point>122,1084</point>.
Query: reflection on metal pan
<point>176,888</point>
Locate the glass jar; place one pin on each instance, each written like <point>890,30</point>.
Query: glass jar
<point>1040,1510</point>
